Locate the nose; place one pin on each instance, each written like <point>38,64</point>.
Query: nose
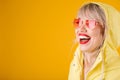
<point>82,28</point>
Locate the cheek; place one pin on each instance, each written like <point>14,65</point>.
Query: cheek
<point>76,32</point>
<point>97,37</point>
<point>77,35</point>
<point>95,33</point>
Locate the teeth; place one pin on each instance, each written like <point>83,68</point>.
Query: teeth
<point>83,37</point>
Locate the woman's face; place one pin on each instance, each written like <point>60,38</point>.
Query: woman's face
<point>89,34</point>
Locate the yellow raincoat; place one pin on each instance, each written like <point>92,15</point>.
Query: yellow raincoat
<point>107,64</point>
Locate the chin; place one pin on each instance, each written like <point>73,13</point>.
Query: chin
<point>84,49</point>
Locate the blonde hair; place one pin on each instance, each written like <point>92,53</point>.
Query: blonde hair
<point>93,11</point>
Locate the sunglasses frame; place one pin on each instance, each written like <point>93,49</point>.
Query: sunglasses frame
<point>89,23</point>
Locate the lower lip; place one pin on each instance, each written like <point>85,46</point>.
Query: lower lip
<point>84,42</point>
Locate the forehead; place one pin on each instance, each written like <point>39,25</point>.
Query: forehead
<point>85,18</point>
<point>86,13</point>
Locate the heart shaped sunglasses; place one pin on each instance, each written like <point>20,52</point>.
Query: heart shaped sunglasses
<point>89,23</point>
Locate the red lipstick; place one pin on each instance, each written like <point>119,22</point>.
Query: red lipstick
<point>84,38</point>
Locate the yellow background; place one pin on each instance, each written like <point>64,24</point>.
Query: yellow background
<point>36,37</point>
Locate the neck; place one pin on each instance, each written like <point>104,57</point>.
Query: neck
<point>90,57</point>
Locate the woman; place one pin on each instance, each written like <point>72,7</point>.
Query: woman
<point>97,57</point>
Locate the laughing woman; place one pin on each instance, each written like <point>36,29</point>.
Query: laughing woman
<point>97,29</point>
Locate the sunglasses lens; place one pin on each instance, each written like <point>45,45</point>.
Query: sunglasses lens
<point>90,23</point>
<point>76,23</point>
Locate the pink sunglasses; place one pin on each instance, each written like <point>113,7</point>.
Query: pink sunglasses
<point>89,23</point>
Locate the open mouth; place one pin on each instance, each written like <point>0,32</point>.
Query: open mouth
<point>84,38</point>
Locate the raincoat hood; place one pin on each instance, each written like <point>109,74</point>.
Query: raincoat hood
<point>111,43</point>
<point>112,38</point>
